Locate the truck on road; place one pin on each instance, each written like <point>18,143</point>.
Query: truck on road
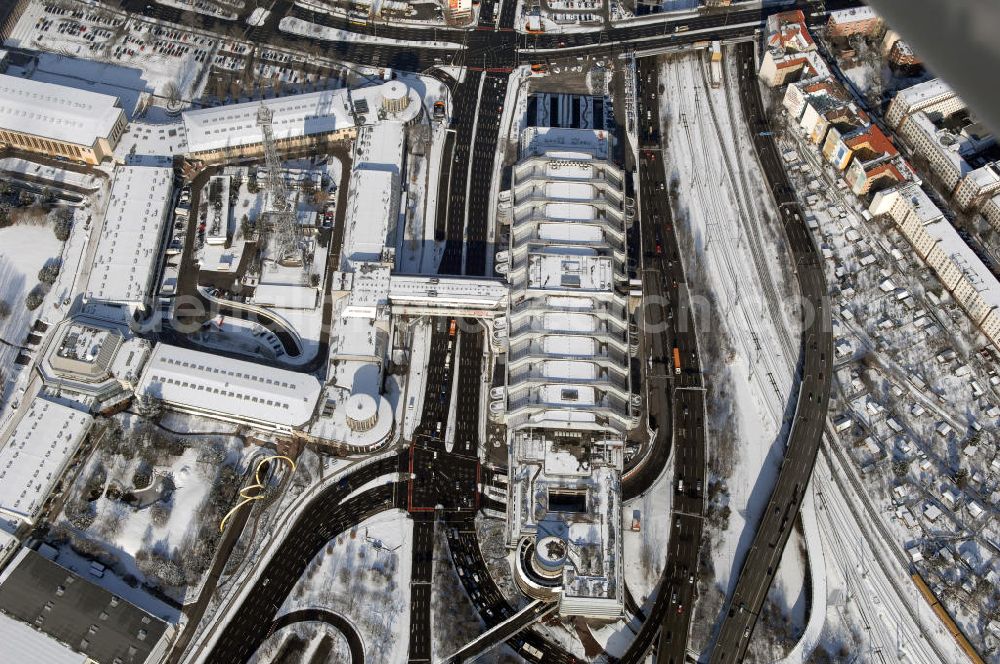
<point>677,360</point>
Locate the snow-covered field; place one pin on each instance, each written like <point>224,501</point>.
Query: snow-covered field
<point>739,265</point>
<point>645,551</point>
<point>304,642</point>
<point>24,249</point>
<point>364,575</point>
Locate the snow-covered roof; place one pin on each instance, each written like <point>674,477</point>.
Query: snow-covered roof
<point>36,454</point>
<point>454,290</point>
<point>966,259</point>
<point>554,271</point>
<point>920,93</point>
<point>564,142</point>
<point>236,125</point>
<point>321,112</point>
<point>950,146</point>
<point>373,197</point>
<point>369,290</point>
<point>986,176</point>
<point>56,112</point>
<point>370,204</point>
<point>129,245</point>
<point>914,197</point>
<point>853,15</point>
<point>228,388</point>
<point>788,31</point>
<point>21,643</point>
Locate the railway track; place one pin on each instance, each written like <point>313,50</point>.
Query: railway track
<point>727,265</point>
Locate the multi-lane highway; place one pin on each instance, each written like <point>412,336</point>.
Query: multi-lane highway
<point>326,516</point>
<point>675,393</point>
<point>775,524</point>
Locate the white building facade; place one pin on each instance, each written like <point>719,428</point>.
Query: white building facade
<point>569,400</point>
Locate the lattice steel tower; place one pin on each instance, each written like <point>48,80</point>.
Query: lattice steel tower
<point>284,227</point>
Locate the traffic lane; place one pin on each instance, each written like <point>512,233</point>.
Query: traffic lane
<point>242,635</point>
<point>772,533</point>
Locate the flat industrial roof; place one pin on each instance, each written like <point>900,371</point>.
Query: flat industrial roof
<point>129,246</point>
<point>36,454</point>
<point>73,609</point>
<point>232,388</point>
<point>369,206</point>
<point>235,125</point>
<point>22,643</point>
<point>56,111</point>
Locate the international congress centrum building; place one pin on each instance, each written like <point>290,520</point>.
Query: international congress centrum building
<point>569,399</point>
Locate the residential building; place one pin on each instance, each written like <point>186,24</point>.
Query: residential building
<point>834,109</point>
<point>949,150</point>
<point>933,97</point>
<point>853,21</point>
<point>939,245</point>
<point>866,177</point>
<point>801,93</point>
<point>978,186</point>
<point>991,210</point>
<point>790,53</point>
<point>58,121</point>
<point>902,56</point>
<point>866,143</point>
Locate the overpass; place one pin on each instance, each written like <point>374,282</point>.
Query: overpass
<point>521,620</point>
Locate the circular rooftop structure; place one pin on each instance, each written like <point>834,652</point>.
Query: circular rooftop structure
<point>362,412</point>
<point>550,556</point>
<point>395,97</point>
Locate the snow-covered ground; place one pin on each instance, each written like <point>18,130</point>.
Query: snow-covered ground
<point>364,575</point>
<point>897,392</point>
<point>24,249</point>
<point>645,551</point>
<point>304,642</point>
<point>738,272</point>
<point>181,484</point>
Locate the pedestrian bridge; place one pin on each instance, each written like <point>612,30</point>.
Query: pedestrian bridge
<point>422,295</point>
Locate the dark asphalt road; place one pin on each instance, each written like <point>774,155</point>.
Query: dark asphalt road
<point>324,518</point>
<point>357,648</point>
<point>677,399</point>
<point>775,525</point>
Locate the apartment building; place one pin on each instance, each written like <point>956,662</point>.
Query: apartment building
<point>854,21</point>
<point>938,244</point>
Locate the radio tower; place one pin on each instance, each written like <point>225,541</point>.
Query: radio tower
<point>284,229</point>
